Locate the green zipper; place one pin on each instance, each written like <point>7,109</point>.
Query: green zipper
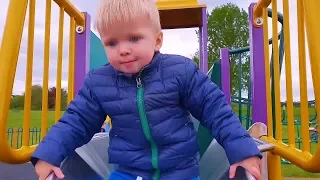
<point>146,129</point>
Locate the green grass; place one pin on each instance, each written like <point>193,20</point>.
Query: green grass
<point>289,170</point>
<point>16,121</point>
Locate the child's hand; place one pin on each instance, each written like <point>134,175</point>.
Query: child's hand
<point>43,170</point>
<point>252,165</point>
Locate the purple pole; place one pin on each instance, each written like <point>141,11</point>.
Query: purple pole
<point>82,52</point>
<point>225,73</point>
<point>257,70</point>
<point>201,60</point>
<point>204,66</point>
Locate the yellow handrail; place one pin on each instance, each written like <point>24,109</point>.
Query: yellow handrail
<point>72,11</point>
<point>307,13</point>
<point>258,10</point>
<point>9,54</point>
<point>10,48</point>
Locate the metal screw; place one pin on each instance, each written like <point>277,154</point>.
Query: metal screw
<point>79,29</point>
<point>259,21</point>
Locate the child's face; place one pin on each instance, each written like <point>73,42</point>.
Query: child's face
<point>131,46</point>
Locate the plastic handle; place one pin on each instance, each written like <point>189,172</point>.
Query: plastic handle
<point>50,177</point>
<point>250,176</point>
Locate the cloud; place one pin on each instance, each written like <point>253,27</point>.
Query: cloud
<point>180,41</point>
<point>39,44</point>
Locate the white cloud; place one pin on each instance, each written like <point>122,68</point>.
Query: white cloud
<point>182,41</point>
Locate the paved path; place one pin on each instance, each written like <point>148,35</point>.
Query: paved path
<point>17,172</point>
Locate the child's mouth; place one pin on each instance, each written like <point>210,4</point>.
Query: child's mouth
<point>128,62</point>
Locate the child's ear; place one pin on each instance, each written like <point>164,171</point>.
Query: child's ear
<point>159,40</point>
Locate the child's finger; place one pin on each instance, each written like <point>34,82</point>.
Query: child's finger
<point>232,171</point>
<point>58,173</point>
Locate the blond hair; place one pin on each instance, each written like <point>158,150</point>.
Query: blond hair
<point>122,11</point>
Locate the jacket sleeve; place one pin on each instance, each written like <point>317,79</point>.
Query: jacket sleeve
<point>207,103</point>
<point>82,119</point>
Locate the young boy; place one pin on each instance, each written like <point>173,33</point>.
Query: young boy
<point>150,98</point>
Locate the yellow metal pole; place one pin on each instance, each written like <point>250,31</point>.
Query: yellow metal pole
<point>276,68</point>
<point>59,66</point>
<point>267,71</point>
<point>10,48</point>
<point>44,116</point>
<point>28,85</point>
<point>72,45</point>
<point>287,50</point>
<point>274,166</point>
<point>311,10</point>
<point>304,110</point>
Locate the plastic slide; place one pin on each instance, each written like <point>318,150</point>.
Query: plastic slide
<point>91,162</point>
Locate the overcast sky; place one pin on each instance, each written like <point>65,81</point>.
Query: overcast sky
<point>182,41</point>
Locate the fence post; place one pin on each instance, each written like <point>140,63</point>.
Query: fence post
<point>82,54</point>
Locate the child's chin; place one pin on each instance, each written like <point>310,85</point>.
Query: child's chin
<point>131,71</point>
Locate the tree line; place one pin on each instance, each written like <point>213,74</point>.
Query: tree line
<point>228,27</point>
<point>17,101</point>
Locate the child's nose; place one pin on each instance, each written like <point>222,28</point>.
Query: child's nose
<point>124,50</point>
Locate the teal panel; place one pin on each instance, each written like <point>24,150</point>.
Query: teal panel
<point>204,135</point>
<point>97,53</point>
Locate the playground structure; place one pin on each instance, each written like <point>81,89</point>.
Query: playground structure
<point>264,86</point>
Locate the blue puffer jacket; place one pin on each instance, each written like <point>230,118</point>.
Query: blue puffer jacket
<point>152,133</point>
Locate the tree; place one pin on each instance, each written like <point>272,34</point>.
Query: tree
<point>196,58</point>
<point>17,101</point>
<point>52,98</point>
<point>36,97</point>
<point>228,28</point>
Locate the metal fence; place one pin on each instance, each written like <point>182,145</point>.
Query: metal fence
<point>14,136</point>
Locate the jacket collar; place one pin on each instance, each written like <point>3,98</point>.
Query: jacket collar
<point>146,70</point>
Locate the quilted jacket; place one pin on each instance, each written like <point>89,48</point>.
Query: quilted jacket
<point>152,133</point>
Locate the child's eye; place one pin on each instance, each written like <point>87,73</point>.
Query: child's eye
<point>134,38</point>
<point>112,43</point>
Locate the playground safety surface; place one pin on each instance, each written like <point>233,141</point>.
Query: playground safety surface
<point>17,172</point>
<point>26,172</point>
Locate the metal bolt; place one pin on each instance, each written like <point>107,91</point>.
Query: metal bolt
<point>79,29</point>
<point>259,21</point>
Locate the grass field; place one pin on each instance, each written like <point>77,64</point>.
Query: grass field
<point>16,121</point>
